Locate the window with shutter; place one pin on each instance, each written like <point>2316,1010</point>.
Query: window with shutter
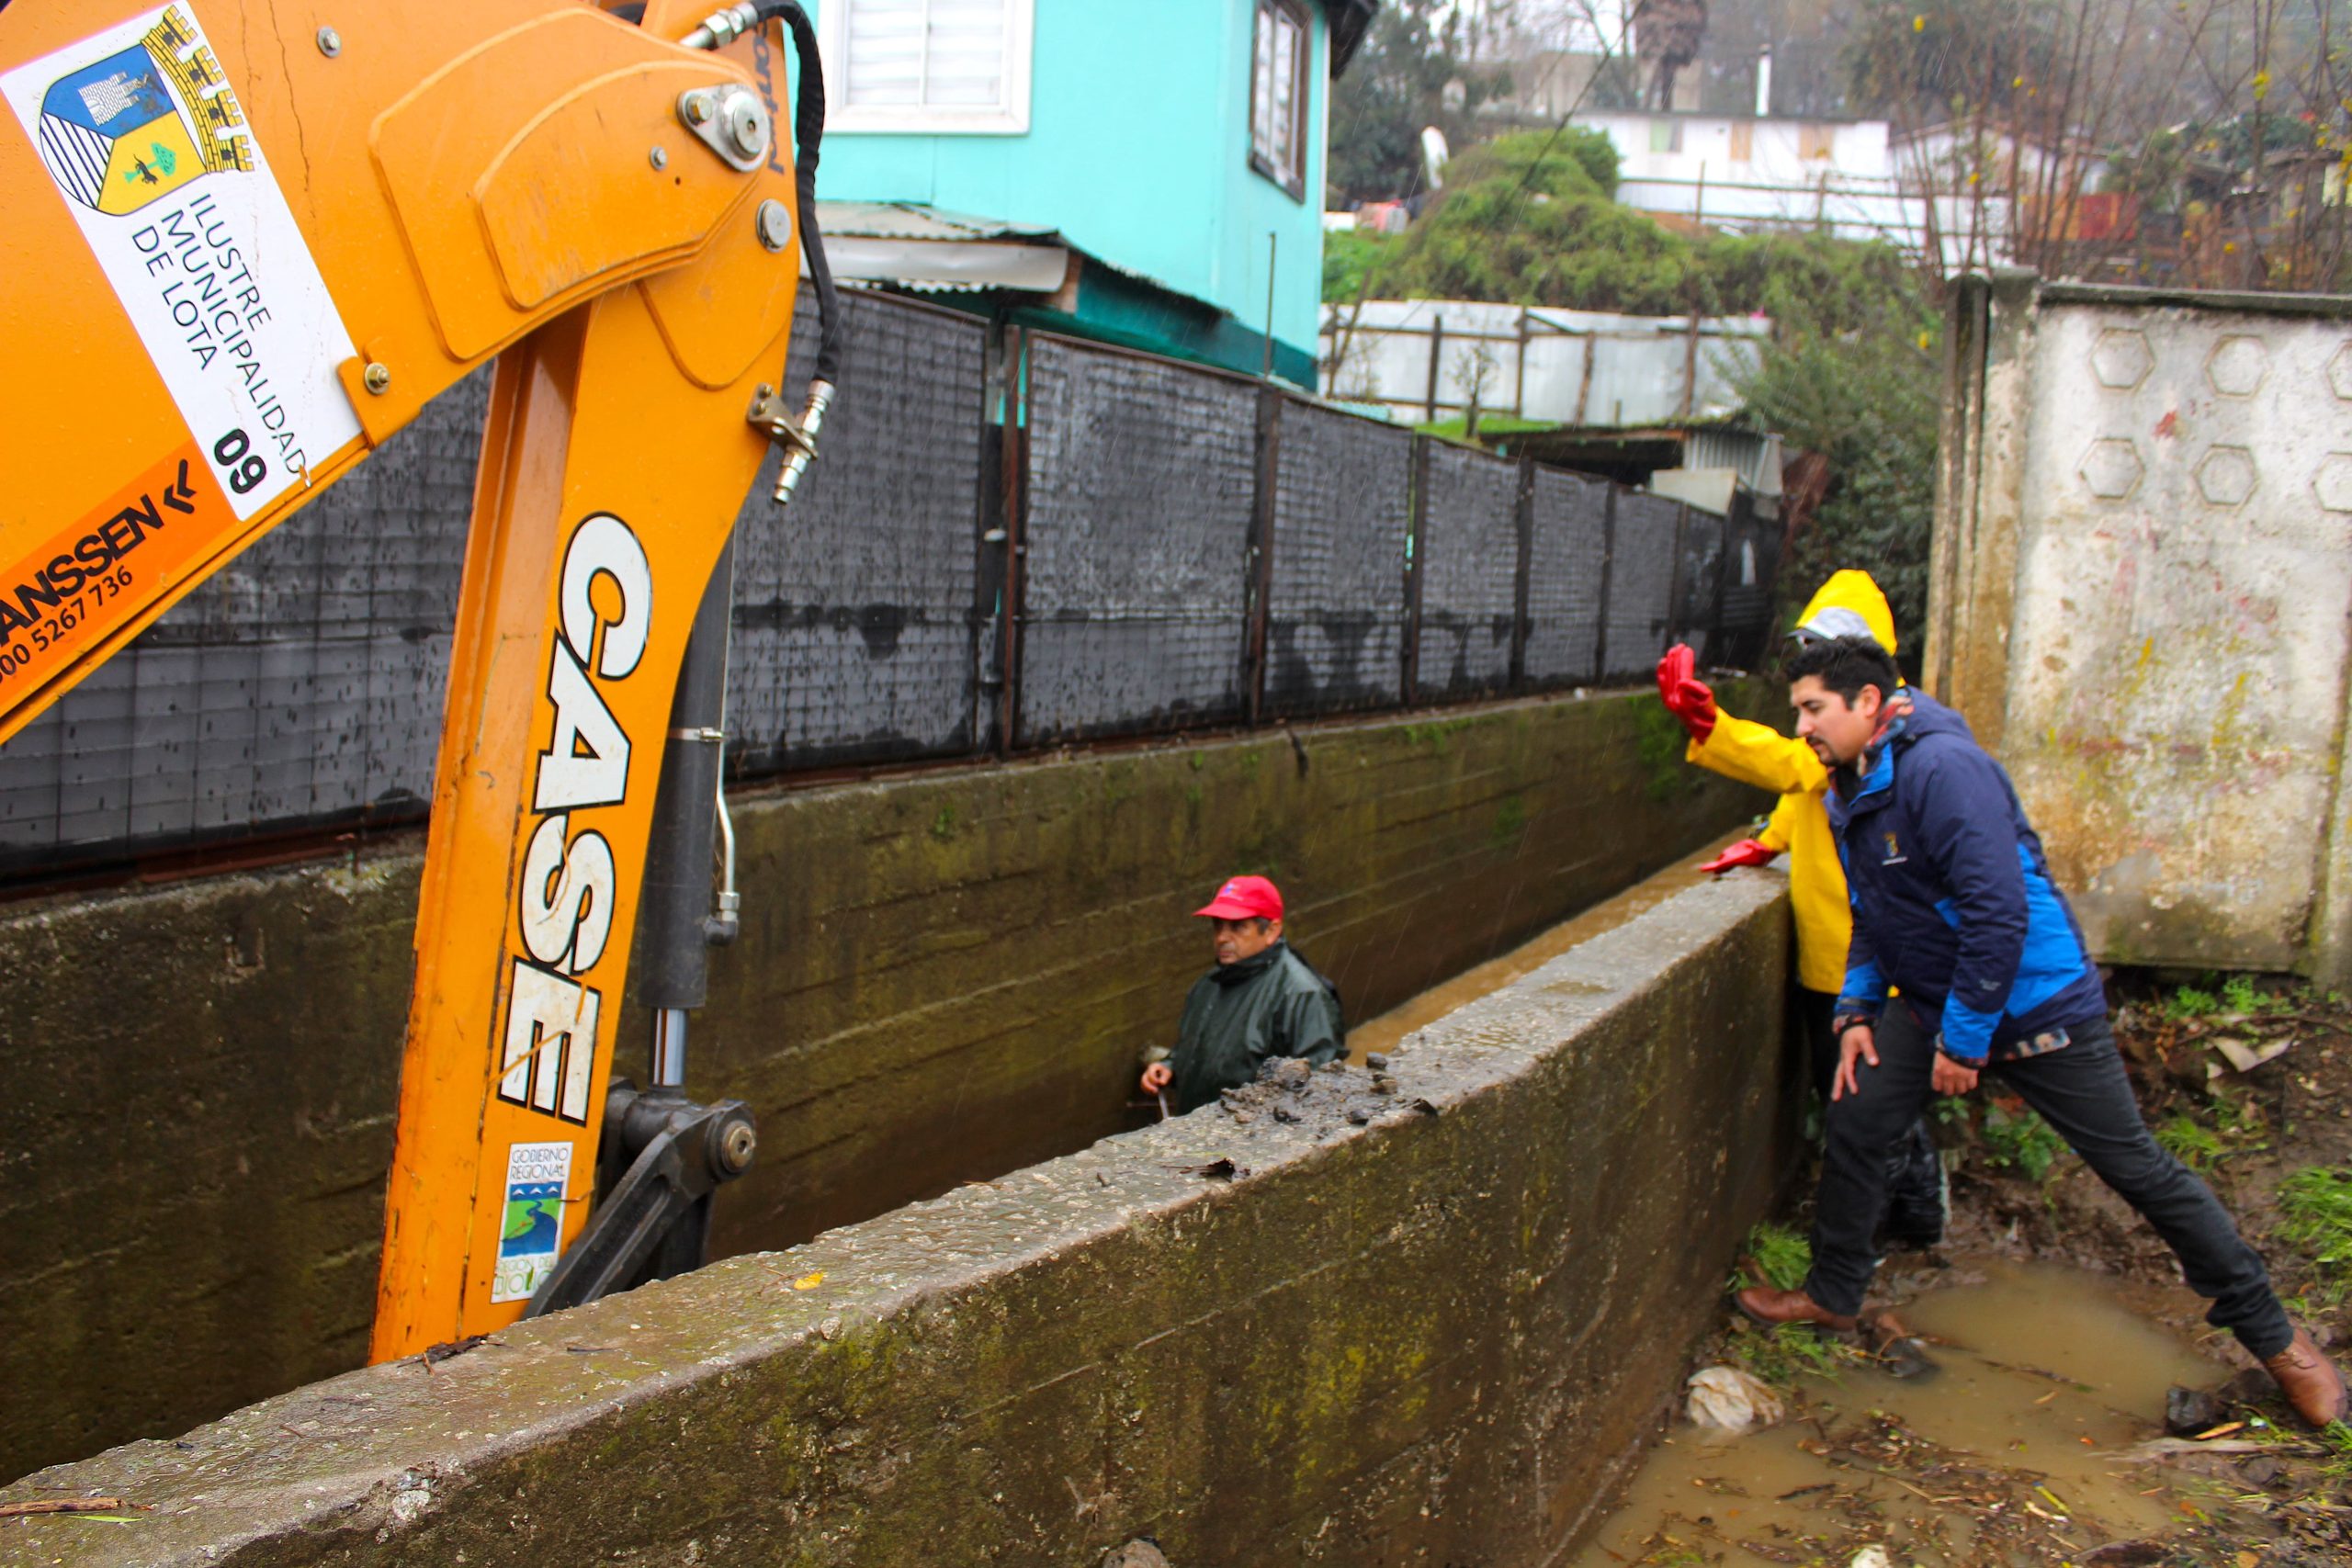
<point>1280,83</point>
<point>927,66</point>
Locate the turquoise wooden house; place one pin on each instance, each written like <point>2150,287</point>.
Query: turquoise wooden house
<point>1146,172</point>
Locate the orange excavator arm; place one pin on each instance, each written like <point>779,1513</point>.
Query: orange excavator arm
<point>247,240</point>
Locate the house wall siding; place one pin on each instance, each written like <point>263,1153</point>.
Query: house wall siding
<point>1138,150</point>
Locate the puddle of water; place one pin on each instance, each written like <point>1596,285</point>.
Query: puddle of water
<point>2043,1369</point>
<point>1382,1034</point>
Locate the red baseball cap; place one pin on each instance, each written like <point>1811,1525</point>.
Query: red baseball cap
<point>1243,898</point>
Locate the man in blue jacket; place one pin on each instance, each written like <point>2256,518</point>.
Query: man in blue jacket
<point>1953,904</point>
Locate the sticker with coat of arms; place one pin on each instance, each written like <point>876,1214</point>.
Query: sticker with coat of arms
<point>152,153</point>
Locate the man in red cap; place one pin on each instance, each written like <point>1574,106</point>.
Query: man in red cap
<point>1262,1001</point>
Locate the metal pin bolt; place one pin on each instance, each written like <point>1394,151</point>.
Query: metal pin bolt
<point>747,126</point>
<point>775,224</point>
<point>330,42</point>
<point>697,108</point>
<point>377,377</point>
<point>659,157</point>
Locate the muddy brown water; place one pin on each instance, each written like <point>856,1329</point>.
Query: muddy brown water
<point>2042,1367</point>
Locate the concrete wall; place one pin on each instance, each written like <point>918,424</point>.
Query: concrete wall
<point>941,976</point>
<point>1436,1337</point>
<point>2141,598</point>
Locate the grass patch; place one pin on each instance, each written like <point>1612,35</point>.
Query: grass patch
<point>2315,1205</point>
<point>1489,424</point>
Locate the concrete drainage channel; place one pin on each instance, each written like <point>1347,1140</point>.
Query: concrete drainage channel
<point>1427,1318</point>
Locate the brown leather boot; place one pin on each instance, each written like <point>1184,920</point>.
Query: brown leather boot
<point>2309,1380</point>
<point>1769,1306</point>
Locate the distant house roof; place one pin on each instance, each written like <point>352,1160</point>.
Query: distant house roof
<point>995,261</point>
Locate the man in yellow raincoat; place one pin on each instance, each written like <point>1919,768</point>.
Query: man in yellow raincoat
<point>1848,605</point>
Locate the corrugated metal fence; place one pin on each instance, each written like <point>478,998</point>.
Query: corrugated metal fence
<point>1014,540</point>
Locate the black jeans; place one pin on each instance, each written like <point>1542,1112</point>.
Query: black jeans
<point>1916,1201</point>
<point>2082,1091</point>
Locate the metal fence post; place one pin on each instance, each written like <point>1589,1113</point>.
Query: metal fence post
<point>1012,523</point>
<point>1524,526</point>
<point>1437,358</point>
<point>1258,557</point>
<point>985,678</point>
<point>1416,548</point>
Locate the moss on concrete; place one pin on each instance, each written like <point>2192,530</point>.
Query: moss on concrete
<point>1435,1338</point>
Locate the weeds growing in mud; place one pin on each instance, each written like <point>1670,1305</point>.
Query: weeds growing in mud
<point>2233,1124</point>
<point>2231,996</point>
<point>2009,1131</point>
<point>2188,1002</point>
<point>1785,1256</point>
<point>2020,1140</point>
<point>1782,1355</point>
<point>2190,1141</point>
<point>2237,995</point>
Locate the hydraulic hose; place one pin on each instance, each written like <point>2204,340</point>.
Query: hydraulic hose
<point>723,28</point>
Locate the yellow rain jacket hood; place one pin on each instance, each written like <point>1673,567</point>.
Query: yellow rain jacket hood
<point>1847,604</point>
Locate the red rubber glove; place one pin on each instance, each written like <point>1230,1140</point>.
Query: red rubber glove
<point>1685,696</point>
<point>1748,851</point>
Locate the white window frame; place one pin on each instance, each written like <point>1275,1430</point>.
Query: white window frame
<point>1010,118</point>
<point>1293,184</point>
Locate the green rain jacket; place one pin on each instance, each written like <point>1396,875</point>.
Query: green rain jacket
<point>1239,1015</point>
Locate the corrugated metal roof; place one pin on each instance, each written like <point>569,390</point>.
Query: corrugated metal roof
<point>913,220</point>
<point>922,247</point>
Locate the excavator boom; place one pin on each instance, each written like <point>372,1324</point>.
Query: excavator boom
<point>247,241</point>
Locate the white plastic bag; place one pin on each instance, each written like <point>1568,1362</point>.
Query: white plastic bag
<point>1733,1401</point>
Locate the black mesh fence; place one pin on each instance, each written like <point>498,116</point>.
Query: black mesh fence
<point>1148,546</point>
<point>1343,512</point>
<point>1469,573</point>
<point>854,612</point>
<point>1566,562</point>
<point>1140,491</point>
<point>1749,571</point>
<point>301,684</point>
<point>1699,581</point>
<point>1642,547</point>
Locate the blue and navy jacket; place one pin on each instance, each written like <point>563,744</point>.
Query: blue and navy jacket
<point>1953,897</point>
